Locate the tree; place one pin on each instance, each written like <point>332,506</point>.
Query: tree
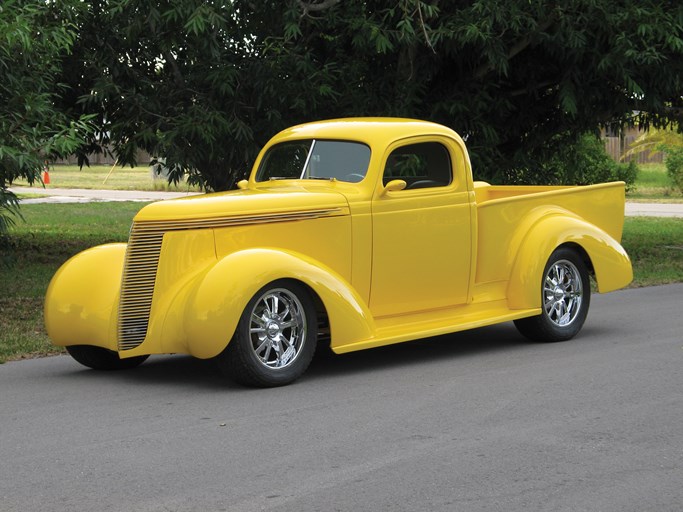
<point>205,83</point>
<point>33,38</point>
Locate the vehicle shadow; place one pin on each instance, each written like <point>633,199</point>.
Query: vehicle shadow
<point>496,338</point>
<point>188,372</point>
<point>180,371</point>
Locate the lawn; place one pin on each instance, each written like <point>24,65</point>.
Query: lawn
<point>655,246</point>
<point>107,177</point>
<point>654,185</point>
<point>50,235</point>
<point>54,232</point>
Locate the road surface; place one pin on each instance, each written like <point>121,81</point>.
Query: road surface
<point>83,195</point>
<point>654,209</point>
<point>478,421</point>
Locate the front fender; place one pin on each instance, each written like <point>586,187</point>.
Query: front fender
<point>81,300</point>
<point>611,263</point>
<point>211,308</point>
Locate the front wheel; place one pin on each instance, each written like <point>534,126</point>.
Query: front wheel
<point>565,298</point>
<point>275,339</point>
<point>99,358</point>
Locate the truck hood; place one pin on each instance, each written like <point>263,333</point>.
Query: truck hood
<point>251,203</point>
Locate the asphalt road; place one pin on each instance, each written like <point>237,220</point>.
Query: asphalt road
<point>479,421</point>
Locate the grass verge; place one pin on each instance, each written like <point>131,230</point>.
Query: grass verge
<point>655,246</point>
<point>53,233</point>
<point>50,235</point>
<point>653,185</point>
<point>104,177</point>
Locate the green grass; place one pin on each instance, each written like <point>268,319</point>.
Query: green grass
<point>54,232</point>
<point>654,185</point>
<point>103,177</point>
<point>655,246</point>
<point>50,235</point>
<point>31,196</point>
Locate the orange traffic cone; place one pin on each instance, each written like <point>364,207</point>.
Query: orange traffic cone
<point>46,178</point>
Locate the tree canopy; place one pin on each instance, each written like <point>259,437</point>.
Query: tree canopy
<point>34,36</point>
<point>204,84</point>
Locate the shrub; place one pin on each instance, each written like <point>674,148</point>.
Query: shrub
<point>586,162</point>
<point>628,173</point>
<point>573,161</point>
<point>674,165</point>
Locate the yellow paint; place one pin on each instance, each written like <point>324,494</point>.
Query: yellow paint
<point>81,300</point>
<point>388,263</point>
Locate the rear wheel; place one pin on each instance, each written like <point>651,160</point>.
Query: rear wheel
<point>99,358</point>
<point>565,298</point>
<point>275,339</point>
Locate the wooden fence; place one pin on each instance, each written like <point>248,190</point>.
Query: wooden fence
<point>616,147</point>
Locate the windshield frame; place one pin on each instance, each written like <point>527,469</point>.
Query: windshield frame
<point>354,175</point>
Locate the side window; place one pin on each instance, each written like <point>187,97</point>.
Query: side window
<point>422,165</point>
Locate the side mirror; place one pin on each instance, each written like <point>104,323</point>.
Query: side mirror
<point>394,186</point>
<point>243,184</point>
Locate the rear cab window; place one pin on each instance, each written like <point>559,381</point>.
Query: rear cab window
<point>420,165</point>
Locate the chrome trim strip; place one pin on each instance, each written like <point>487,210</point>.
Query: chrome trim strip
<point>220,222</point>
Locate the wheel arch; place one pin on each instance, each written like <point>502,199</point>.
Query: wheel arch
<point>213,308</point>
<point>323,317</point>
<point>585,257</point>
<point>603,255</point>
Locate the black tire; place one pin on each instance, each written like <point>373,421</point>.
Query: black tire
<point>99,358</point>
<point>565,299</point>
<point>275,339</point>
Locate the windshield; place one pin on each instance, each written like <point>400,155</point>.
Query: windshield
<point>315,159</point>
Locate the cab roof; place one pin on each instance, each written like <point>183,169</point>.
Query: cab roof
<point>370,130</point>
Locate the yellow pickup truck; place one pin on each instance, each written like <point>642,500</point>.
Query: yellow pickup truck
<point>354,232</point>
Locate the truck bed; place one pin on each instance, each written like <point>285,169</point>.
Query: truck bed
<point>506,213</point>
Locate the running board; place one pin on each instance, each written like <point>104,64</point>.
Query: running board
<point>397,329</point>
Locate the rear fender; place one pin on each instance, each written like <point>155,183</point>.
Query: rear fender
<point>609,260</point>
<point>214,305</point>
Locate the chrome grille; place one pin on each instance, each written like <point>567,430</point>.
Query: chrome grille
<point>137,286</point>
<point>142,261</point>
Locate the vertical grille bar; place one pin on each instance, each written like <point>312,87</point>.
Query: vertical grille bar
<point>137,287</point>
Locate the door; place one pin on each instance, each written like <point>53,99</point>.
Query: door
<point>421,234</point>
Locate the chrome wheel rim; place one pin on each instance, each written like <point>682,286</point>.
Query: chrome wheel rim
<point>277,328</point>
<point>562,293</point>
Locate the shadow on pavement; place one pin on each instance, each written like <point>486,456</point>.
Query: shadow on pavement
<point>189,372</point>
<point>503,337</point>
